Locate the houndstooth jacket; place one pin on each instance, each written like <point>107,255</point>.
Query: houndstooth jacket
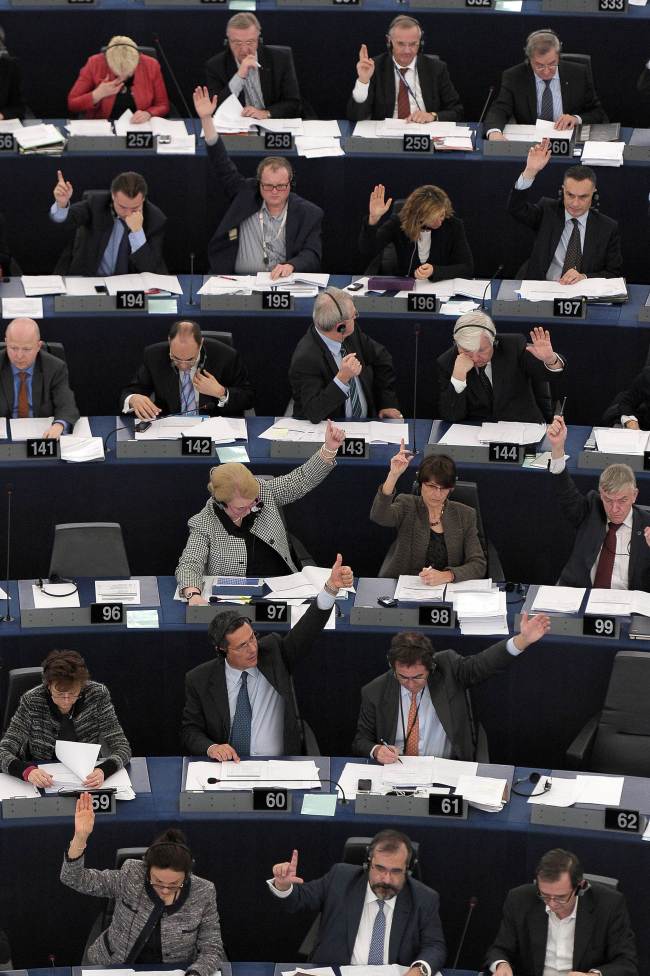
<point>212,551</point>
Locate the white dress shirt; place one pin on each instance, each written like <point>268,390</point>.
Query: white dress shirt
<point>360,90</point>
<point>559,943</point>
<point>267,723</point>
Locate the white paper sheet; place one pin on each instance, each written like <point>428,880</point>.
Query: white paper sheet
<point>511,432</point>
<point>448,771</point>
<point>621,440</point>
<point>89,127</point>
<point>229,118</point>
<point>182,145</point>
<point>616,603</point>
<point>18,308</point>
<point>483,792</point>
<point>118,591</point>
<point>83,286</point>
<point>79,757</point>
<point>44,602</point>
<point>35,136</point>
<point>79,449</point>
<point>462,435</point>
<point>563,792</point>
<point>392,970</point>
<point>311,578</point>
<point>543,291</point>
<point>413,589</point>
<point>147,282</point>
<point>299,775</point>
<point>34,285</point>
<point>11,786</point>
<point>603,790</point>
<point>597,153</point>
<point>558,599</point>
<point>227,285</point>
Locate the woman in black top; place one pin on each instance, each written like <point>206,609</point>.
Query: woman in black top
<point>429,241</point>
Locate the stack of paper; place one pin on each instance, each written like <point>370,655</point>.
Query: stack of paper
<point>602,154</point>
<point>10,125</point>
<point>413,589</point>
<point>483,792</point>
<point>222,430</point>
<point>621,440</point>
<point>89,127</point>
<point>281,773</point>
<point>42,285</point>
<point>618,603</point>
<point>11,787</point>
<point>511,432</point>
<point>83,286</point>
<point>227,285</point>
<point>558,599</point>
<point>44,136</point>
<point>160,127</point>
<point>301,283</point>
<point>544,291</point>
<point>147,281</point>
<point>76,761</point>
<point>462,435</point>
<point>229,118</point>
<point>471,287</point>
<point>374,431</point>
<point>482,613</point>
<point>23,428</point>
<point>118,591</point>
<point>319,139</point>
<point>303,585</point>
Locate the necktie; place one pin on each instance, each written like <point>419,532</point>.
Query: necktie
<point>123,252</point>
<point>573,256</point>
<point>23,401</point>
<point>355,400</point>
<point>376,951</point>
<point>188,395</point>
<point>605,567</point>
<point>486,388</point>
<point>412,728</point>
<point>240,733</point>
<point>403,104</point>
<point>253,89</point>
<point>547,103</point>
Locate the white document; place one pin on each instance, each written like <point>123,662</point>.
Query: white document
<point>35,136</point>
<point>79,757</point>
<point>169,428</point>
<point>448,771</point>
<point>393,970</point>
<point>602,153</point>
<point>89,127</point>
<point>119,781</point>
<point>315,147</point>
<point>3,428</point>
<point>295,126</point>
<point>83,286</point>
<point>23,428</point>
<point>483,792</point>
<point>227,285</point>
<point>34,285</point>
<point>469,586</point>
<point>543,291</point>
<point>79,449</point>
<point>413,589</point>
<point>44,602</point>
<point>480,604</point>
<point>310,971</point>
<point>621,440</point>
<point>298,612</point>
<point>182,145</point>
<point>457,308</point>
<point>11,786</point>
<point>299,775</point>
<point>353,772</point>
<point>462,435</point>
<point>614,603</point>
<point>10,125</point>
<point>311,578</point>
<point>410,771</point>
<point>512,432</point>
<point>603,790</point>
<point>563,792</point>
<point>223,430</point>
<point>229,118</point>
<point>558,599</point>
<point>118,591</point>
<point>18,308</point>
<point>147,281</point>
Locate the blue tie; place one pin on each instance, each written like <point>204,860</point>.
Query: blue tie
<point>355,400</point>
<point>376,953</point>
<point>240,733</point>
<point>123,252</point>
<point>188,396</point>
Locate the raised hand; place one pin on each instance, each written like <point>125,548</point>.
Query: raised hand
<point>378,206</point>
<point>540,345</point>
<point>365,65</point>
<point>62,191</point>
<point>538,157</point>
<point>84,817</point>
<point>334,436</point>
<point>203,104</point>
<point>284,874</point>
<point>341,576</point>
<point>557,433</point>
<point>531,629</point>
<point>400,461</point>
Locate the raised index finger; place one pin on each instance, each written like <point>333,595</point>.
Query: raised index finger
<point>363,52</point>
<point>293,863</point>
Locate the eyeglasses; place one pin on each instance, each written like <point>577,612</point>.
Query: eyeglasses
<point>556,899</point>
<point>159,886</point>
<point>182,362</point>
<point>392,872</point>
<point>414,678</point>
<point>65,695</point>
<point>434,487</point>
<point>269,187</point>
<point>543,67</point>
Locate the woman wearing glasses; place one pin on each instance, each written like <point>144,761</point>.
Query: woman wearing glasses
<point>163,914</point>
<point>437,539</point>
<point>69,706</point>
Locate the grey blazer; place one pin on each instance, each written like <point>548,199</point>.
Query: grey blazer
<point>190,937</point>
<point>212,551</point>
<point>408,514</point>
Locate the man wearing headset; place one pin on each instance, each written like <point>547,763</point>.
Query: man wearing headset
<point>544,86</point>
<point>376,914</point>
<point>421,704</point>
<point>404,83</point>
<point>485,376</point>
<point>266,227</point>
<point>561,924</point>
<point>573,240</point>
<point>188,374</point>
<point>337,370</point>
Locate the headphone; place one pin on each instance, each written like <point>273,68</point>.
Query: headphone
<point>412,861</point>
<point>167,843</point>
<point>595,199</point>
<point>403,20</point>
<point>279,162</point>
<point>341,327</point>
<point>538,33</point>
<point>257,506</point>
<point>485,328</point>
<point>220,624</point>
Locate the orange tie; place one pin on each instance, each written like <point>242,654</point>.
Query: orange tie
<point>413,728</point>
<point>403,104</point>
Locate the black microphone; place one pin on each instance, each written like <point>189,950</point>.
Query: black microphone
<point>416,334</point>
<point>487,102</point>
<point>534,779</point>
<point>254,781</point>
<point>191,301</point>
<point>156,40</point>
<point>473,902</point>
<point>489,286</point>
<point>7,619</point>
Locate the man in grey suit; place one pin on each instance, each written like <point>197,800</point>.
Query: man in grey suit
<point>371,915</point>
<point>34,383</point>
<point>421,704</point>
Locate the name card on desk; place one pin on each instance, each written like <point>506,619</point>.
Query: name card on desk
<point>600,626</point>
<point>628,821</point>
<point>422,303</point>
<point>130,301</point>
<point>445,806</point>
<point>271,611</point>
<point>416,142</point>
<point>440,615</point>
<point>278,140</point>
<point>353,447</point>
<point>139,140</point>
<point>275,800</point>
<point>107,613</point>
<point>42,448</point>
<point>561,146</point>
<point>277,301</point>
<point>196,446</point>
<point>7,142</point>
<point>570,308</point>
<point>504,453</point>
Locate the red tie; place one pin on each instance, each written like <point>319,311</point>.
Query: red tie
<point>412,743</point>
<point>605,567</point>
<point>23,402</point>
<point>403,105</point>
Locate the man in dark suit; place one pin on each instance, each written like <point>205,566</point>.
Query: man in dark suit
<point>485,376</point>
<point>421,703</point>
<point>403,83</point>
<point>371,915</point>
<point>117,232</point>
<point>573,240</point>
<point>612,544</point>
<point>544,86</point>
<point>189,374</point>
<point>262,77</point>
<point>266,227</point>
<point>243,703</point>
<point>34,383</point>
<point>631,408</point>
<point>336,370</point>
<point>561,922</point>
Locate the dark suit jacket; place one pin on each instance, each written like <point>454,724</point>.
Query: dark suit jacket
<point>450,254</point>
<point>157,375</point>
<point>93,219</point>
<point>277,78</point>
<point>438,91</point>
<point>517,98</point>
<point>519,384</point>
<point>51,393</point>
<point>447,682</point>
<point>302,229</point>
<point>634,401</point>
<point>311,374</point>
<point>416,932</point>
<point>206,716</point>
<point>587,515</point>
<point>601,256</point>
<point>12,102</point>
<point>603,936</point>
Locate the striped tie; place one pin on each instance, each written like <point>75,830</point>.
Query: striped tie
<point>355,399</point>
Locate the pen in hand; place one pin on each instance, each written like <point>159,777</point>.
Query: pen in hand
<point>384,743</point>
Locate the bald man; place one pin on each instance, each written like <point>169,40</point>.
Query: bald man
<point>32,382</point>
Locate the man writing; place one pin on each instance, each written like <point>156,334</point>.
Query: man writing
<point>373,915</point>
<point>266,227</point>
<point>121,231</point>
<point>34,383</point>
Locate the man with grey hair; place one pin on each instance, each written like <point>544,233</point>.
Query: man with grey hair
<point>261,76</point>
<point>545,87</point>
<point>337,370</point>
<point>612,544</point>
<point>485,376</point>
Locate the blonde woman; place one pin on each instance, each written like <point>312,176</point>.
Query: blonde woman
<point>121,79</point>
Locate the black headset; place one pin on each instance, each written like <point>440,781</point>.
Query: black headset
<point>485,328</point>
<point>413,23</point>
<point>341,327</point>
<point>542,30</point>
<point>595,200</point>
<point>167,843</point>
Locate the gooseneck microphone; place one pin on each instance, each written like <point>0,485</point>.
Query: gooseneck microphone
<point>255,781</point>
<point>191,299</point>
<point>488,287</point>
<point>487,103</point>
<point>7,619</point>
<point>159,47</point>
<point>472,903</point>
<point>533,779</point>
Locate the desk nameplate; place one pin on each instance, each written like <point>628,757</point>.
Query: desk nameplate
<point>51,805</point>
<point>577,818</point>
<point>400,806</point>
<point>227,801</point>
<point>479,454</point>
<point>154,449</point>
<point>584,6</point>
<point>598,460</point>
